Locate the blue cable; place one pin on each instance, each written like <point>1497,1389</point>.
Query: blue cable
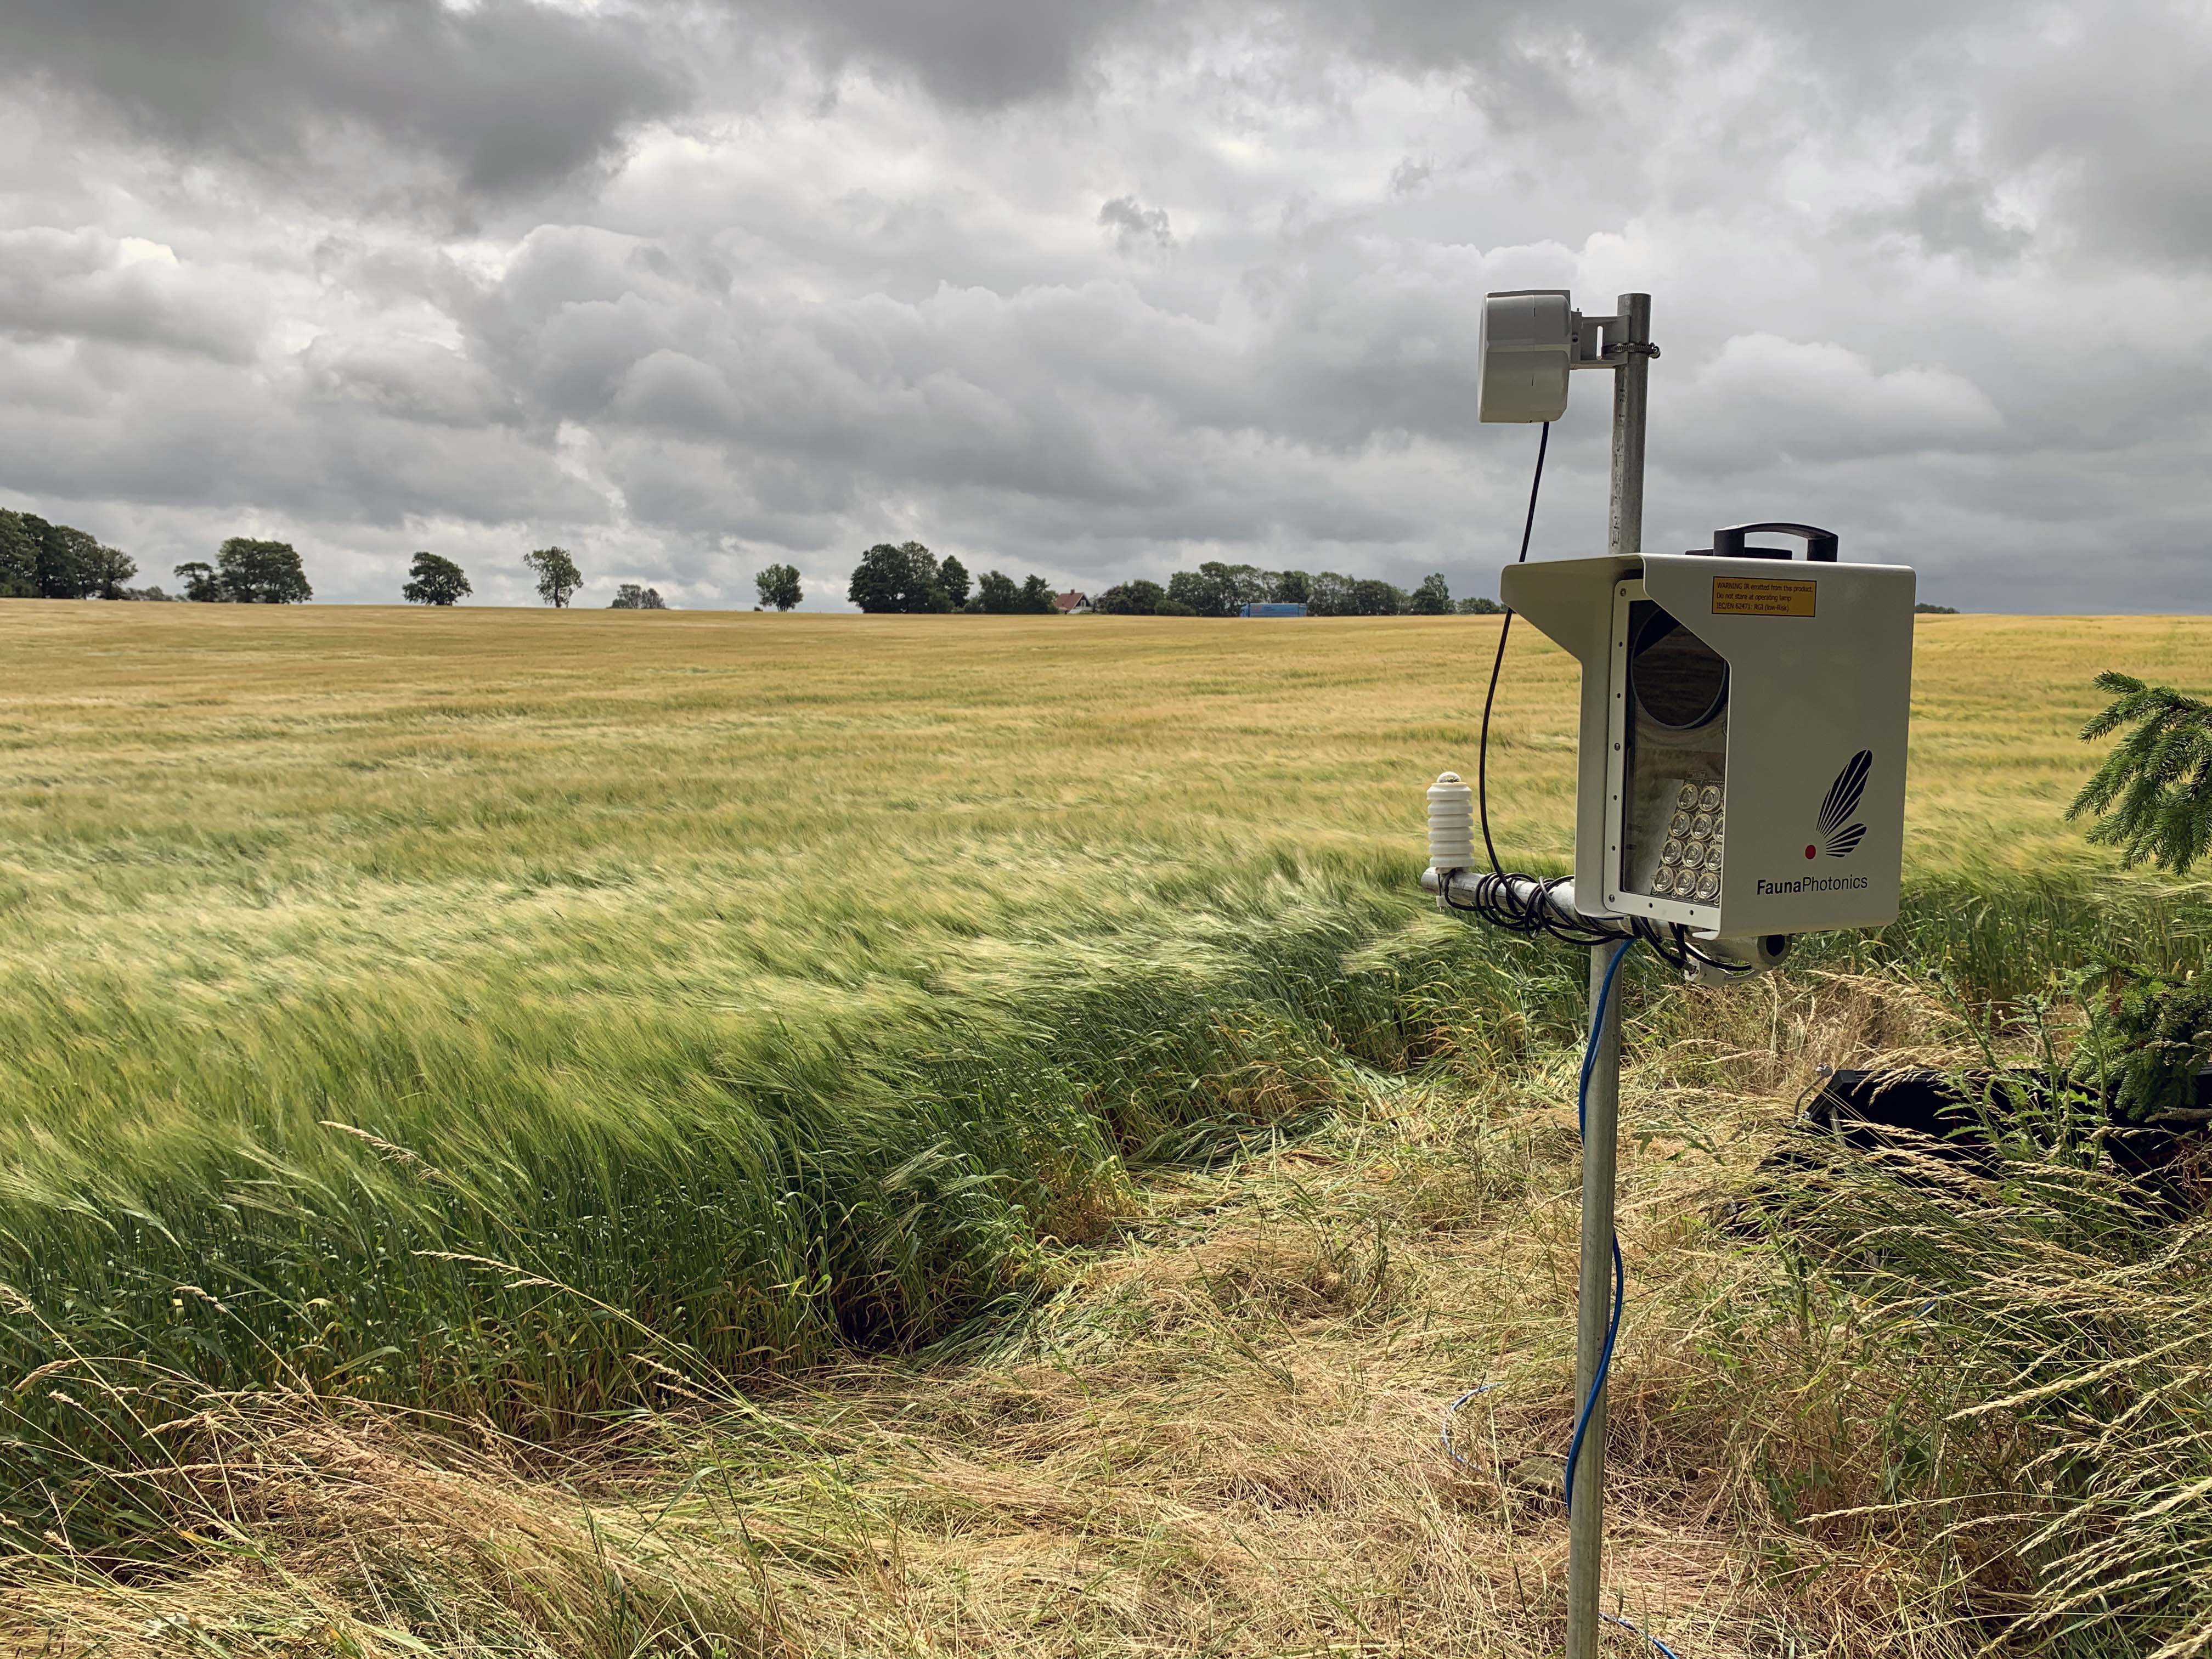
<point>1613,1326</point>
<point>1638,1629</point>
<point>1582,1128</point>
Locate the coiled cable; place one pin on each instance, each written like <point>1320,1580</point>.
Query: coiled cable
<point>1520,903</point>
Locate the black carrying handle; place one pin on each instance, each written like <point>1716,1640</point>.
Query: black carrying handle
<point>1819,544</point>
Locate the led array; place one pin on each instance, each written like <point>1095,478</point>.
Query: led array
<point>1690,862</point>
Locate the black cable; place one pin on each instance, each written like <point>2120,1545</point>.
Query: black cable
<point>1497,898</point>
<point>1497,662</point>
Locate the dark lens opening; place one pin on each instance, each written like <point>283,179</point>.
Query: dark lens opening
<point>1679,681</point>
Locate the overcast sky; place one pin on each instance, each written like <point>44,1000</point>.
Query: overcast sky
<point>1100,289</point>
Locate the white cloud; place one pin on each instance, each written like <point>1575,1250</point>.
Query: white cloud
<point>1098,291</point>
<point>1762,399</point>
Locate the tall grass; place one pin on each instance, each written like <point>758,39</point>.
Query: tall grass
<point>522,1016</point>
<point>673,1205</point>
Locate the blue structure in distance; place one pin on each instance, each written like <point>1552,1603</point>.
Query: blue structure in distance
<point>1271,609</point>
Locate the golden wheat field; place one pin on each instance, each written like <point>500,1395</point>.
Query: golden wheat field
<point>303,754</point>
<point>942,1135</point>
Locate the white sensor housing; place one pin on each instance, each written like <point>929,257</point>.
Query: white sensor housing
<point>1743,732</point>
<point>1526,344</point>
<point>1451,824</point>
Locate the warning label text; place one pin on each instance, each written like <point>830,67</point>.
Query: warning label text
<point>1762,596</point>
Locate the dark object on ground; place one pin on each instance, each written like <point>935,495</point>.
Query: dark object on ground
<point>1961,1117</point>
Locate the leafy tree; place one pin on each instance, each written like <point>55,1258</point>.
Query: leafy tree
<point>879,581</point>
<point>1215,589</point>
<point>1373,598</point>
<point>1291,587</point>
<point>1243,584</point>
<point>69,561</point>
<point>433,580</point>
<point>558,579</point>
<point>19,556</point>
<point>999,595</point>
<point>904,580</point>
<point>2152,795</point>
<point>201,583</point>
<point>1036,597</point>
<point>630,597</point>
<point>252,572</point>
<point>1431,599</point>
<point>1331,595</point>
<point>953,579</point>
<point>1195,593</point>
<point>1479,606</point>
<point>1924,608</point>
<point>1136,598</point>
<point>109,568</point>
<point>925,584</point>
<point>778,586</point>
<point>43,561</point>
<point>1174,608</point>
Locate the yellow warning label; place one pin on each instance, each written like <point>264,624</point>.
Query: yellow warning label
<point>1762,596</point>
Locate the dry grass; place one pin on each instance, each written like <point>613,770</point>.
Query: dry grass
<point>1221,1438</point>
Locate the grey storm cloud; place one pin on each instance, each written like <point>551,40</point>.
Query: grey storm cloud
<point>510,92</point>
<point>84,284</point>
<point>1133,224</point>
<point>1097,290</point>
<point>972,52</point>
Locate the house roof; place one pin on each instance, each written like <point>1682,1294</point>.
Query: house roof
<point>1069,601</point>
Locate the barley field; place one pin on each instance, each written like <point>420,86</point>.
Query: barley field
<point>552,1020</point>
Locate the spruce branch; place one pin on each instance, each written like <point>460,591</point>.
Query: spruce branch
<point>2152,795</point>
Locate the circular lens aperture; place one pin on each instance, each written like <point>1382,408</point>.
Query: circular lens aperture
<point>1679,681</point>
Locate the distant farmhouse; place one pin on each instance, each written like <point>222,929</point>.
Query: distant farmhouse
<point>1072,604</point>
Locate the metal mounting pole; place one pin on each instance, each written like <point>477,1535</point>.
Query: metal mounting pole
<point>1630,329</point>
<point>1601,1128</point>
<point>1602,1116</point>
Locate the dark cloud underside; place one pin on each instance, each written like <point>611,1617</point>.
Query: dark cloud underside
<point>510,93</point>
<point>1098,288</point>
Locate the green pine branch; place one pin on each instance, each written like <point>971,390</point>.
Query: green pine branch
<point>2152,795</point>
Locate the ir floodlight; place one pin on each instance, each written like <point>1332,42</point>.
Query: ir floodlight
<point>1527,344</point>
<point>1743,731</point>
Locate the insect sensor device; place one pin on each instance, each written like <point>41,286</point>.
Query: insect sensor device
<point>1740,779</point>
<point>1743,723</point>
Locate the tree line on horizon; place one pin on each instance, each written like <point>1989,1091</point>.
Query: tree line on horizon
<point>908,580</point>
<point>1217,589</point>
<point>43,560</point>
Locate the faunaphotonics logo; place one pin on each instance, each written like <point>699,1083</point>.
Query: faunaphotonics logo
<point>1836,837</point>
<point>1834,833</point>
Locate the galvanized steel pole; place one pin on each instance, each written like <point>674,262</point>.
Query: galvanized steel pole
<point>1602,1114</point>
<point>1631,334</point>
